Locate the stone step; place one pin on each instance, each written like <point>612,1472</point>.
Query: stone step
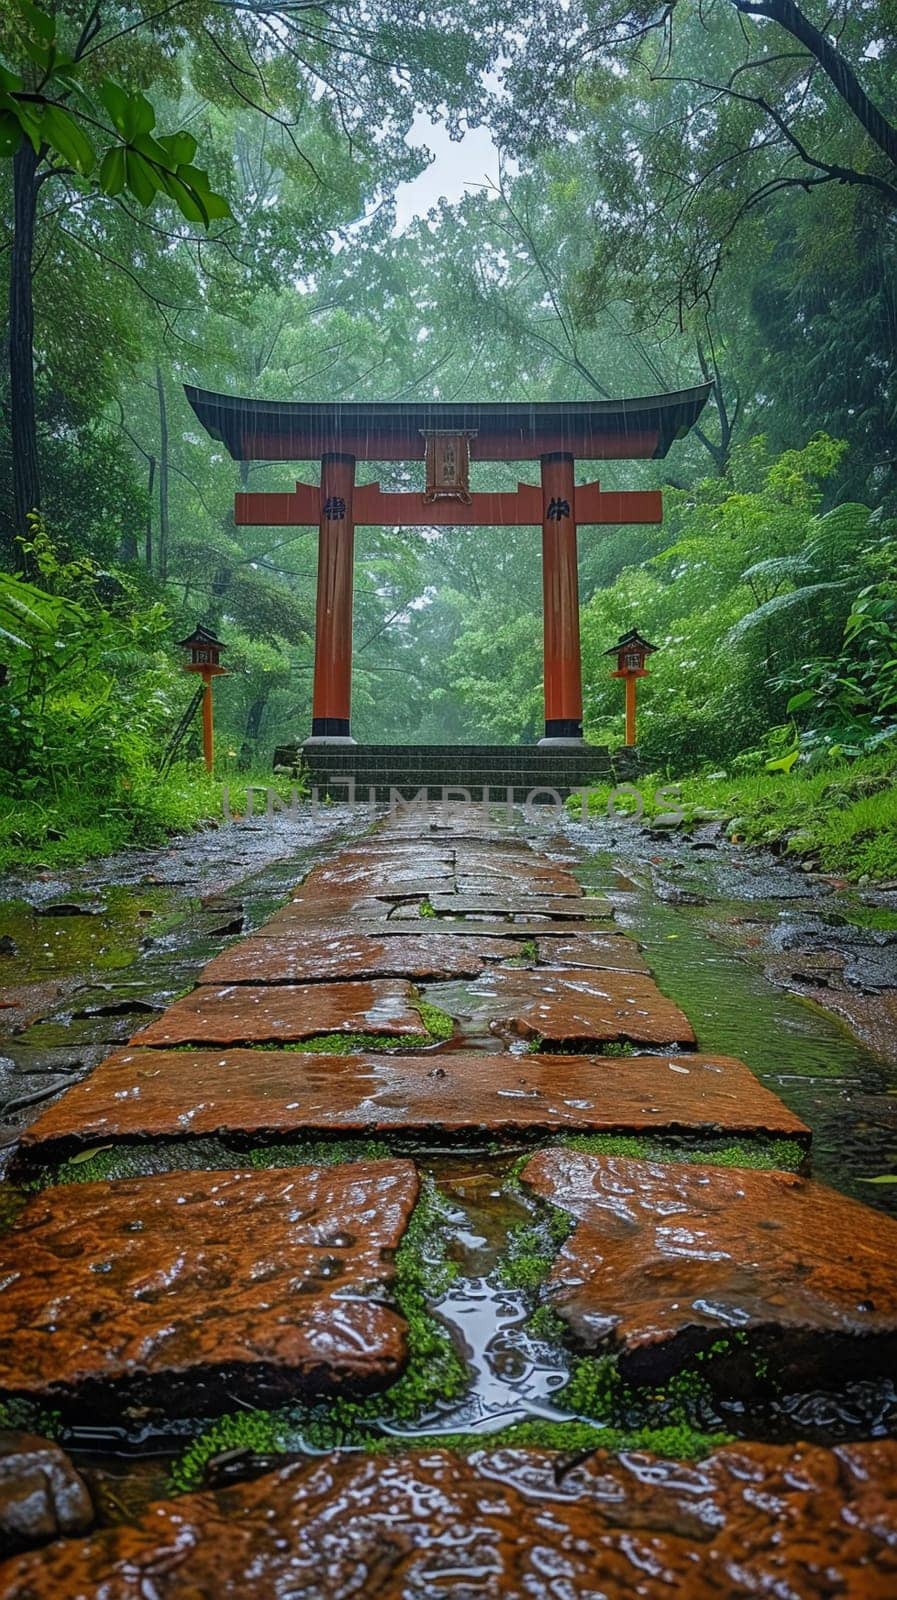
<point>316,957</point>
<point>668,1259</point>
<point>751,1520</point>
<point>573,1006</point>
<point>188,1292</point>
<point>607,951</point>
<point>285,1013</point>
<point>256,1096</point>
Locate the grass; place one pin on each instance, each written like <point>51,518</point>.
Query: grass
<point>842,816</point>
<point>79,823</point>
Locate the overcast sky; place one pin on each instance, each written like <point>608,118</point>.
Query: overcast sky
<point>456,167</point>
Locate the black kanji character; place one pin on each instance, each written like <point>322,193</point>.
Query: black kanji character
<point>334,508</point>
<point>558,509</point>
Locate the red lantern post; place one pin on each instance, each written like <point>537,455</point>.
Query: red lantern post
<point>631,652</point>
<point>205,650</point>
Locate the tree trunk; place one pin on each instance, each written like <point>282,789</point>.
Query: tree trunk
<point>164,526</point>
<point>254,715</point>
<point>149,514</point>
<point>23,418</point>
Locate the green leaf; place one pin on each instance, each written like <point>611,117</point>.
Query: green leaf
<point>10,80</point>
<point>783,763</point>
<point>42,24</point>
<point>182,197</point>
<point>180,148</point>
<point>141,179</point>
<point>87,1155</point>
<point>113,174</point>
<point>152,149</point>
<point>116,102</point>
<point>884,1177</point>
<point>40,54</point>
<point>198,184</point>
<point>798,701</point>
<point>65,134</point>
<point>141,118</point>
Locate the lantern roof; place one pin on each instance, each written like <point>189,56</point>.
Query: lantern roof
<point>632,637</point>
<point>300,430</point>
<point>199,637</point>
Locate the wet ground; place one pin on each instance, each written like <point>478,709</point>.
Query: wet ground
<point>742,941</point>
<point>91,959</point>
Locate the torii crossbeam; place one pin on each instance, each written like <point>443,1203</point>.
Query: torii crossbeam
<point>448,437</point>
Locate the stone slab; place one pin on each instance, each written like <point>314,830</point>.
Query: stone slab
<point>144,1094</point>
<point>312,957</point>
<point>795,1521</point>
<point>284,1013</point>
<point>557,907</point>
<point>196,1291</point>
<point>668,1257</point>
<point>580,1006</point>
<point>611,952</point>
<point>291,922</point>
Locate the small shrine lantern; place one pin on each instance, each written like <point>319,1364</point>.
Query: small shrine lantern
<point>631,651</point>
<point>205,651</point>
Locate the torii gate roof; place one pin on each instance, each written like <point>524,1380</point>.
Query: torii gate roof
<point>590,430</point>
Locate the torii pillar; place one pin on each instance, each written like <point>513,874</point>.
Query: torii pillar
<point>332,694</point>
<point>560,602</point>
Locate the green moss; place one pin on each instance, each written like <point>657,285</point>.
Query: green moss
<point>264,1432</point>
<point>607,1144</point>
<point>675,1442</point>
<point>169,1155</point>
<point>12,1202</point>
<point>622,1048</point>
<point>438,1023</point>
<point>532,1247</point>
<point>764,1155</point>
<point>25,1416</point>
<point>545,1324</point>
<point>318,1153</point>
<point>425,909</point>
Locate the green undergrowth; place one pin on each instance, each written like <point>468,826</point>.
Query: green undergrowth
<point>841,815</point>
<point>434,1371</point>
<point>80,821</point>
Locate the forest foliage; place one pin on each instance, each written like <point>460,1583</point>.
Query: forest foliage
<point>207,194</point>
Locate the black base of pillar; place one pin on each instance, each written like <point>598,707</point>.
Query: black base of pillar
<point>330,728</point>
<point>563,728</point>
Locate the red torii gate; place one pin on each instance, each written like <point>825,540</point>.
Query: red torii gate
<point>449,436</point>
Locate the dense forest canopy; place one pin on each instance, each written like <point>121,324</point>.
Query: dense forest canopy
<point>204,192</point>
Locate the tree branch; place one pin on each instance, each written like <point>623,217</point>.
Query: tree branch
<point>837,69</point>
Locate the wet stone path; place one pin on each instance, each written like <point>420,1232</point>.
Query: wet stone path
<point>420,1250</point>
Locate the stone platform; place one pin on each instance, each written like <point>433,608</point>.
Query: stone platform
<point>518,770</point>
